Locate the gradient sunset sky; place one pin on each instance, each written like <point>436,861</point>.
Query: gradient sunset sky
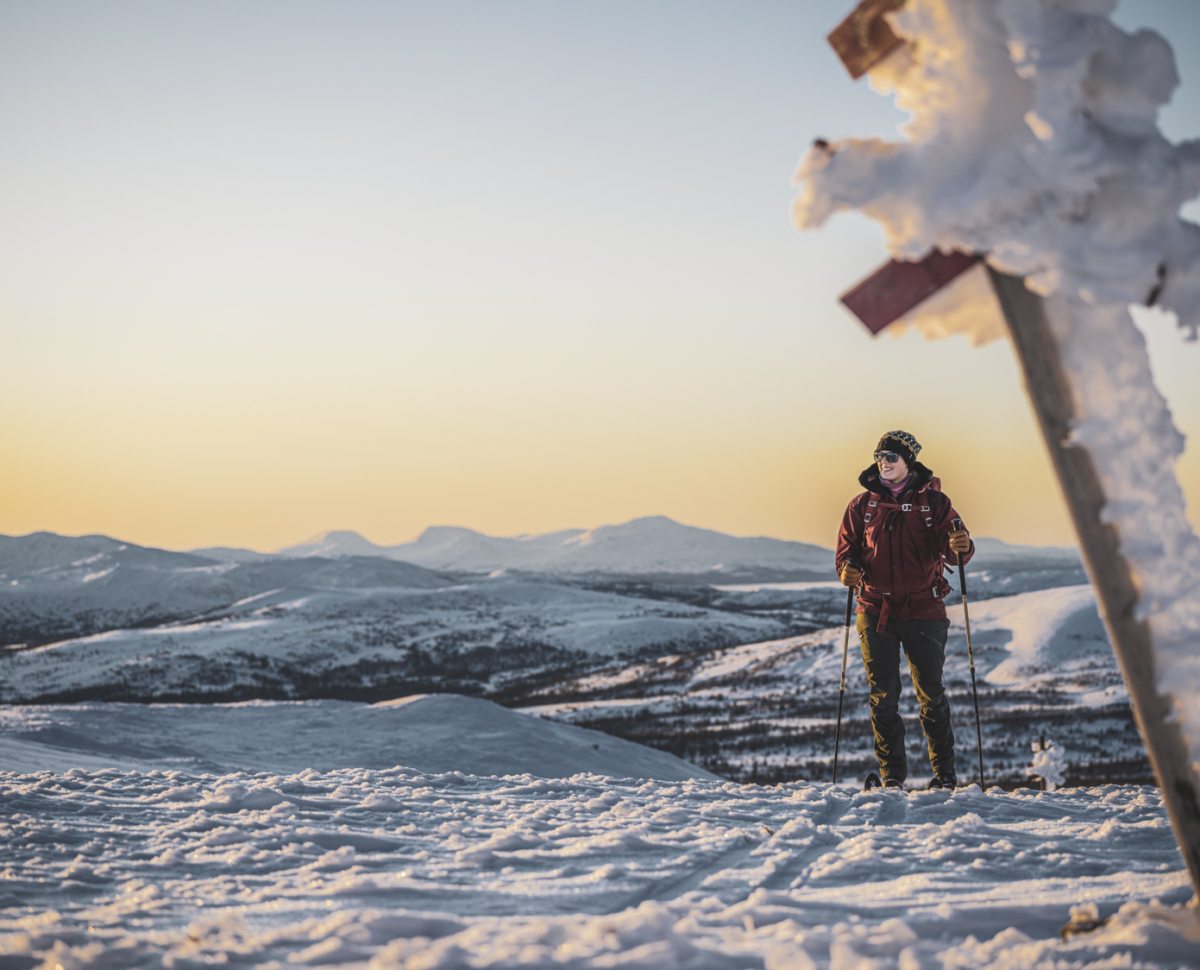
<point>273,268</point>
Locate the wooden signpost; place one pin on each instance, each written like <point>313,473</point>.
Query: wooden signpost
<point>899,286</point>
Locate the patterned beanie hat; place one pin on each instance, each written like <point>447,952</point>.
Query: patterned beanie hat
<point>901,442</point>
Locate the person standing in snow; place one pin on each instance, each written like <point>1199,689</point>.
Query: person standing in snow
<point>893,544</point>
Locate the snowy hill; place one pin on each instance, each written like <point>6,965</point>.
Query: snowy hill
<point>131,623</point>
<point>231,554</point>
<point>372,641</point>
<point>55,587</point>
<point>43,550</point>
<point>722,681</point>
<point>654,545</point>
<point>432,733</point>
<point>331,545</point>
<point>1005,555</point>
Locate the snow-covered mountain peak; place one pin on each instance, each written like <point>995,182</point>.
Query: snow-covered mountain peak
<point>92,553</point>
<point>437,534</point>
<point>334,544</point>
<point>649,527</point>
<point>443,537</point>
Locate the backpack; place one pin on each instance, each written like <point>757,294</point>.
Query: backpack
<point>927,502</point>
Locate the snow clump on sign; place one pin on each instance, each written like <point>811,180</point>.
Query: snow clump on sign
<point>1034,139</point>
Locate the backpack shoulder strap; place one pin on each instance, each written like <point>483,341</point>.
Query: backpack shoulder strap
<point>929,501</point>
<point>868,505</point>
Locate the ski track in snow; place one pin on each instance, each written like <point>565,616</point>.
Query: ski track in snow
<point>396,868</point>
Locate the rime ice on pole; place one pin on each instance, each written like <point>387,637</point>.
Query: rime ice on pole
<point>1034,139</point>
<point>1049,764</point>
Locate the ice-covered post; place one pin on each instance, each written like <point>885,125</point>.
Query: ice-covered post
<point>1034,150</point>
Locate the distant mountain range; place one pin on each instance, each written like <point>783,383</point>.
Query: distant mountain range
<point>92,617</point>
<point>654,545</point>
<point>655,548</point>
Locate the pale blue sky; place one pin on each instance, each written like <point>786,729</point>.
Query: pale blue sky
<point>274,268</point>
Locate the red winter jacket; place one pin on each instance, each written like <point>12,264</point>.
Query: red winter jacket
<point>902,545</point>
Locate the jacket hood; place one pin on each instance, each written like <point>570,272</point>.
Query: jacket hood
<point>869,479</point>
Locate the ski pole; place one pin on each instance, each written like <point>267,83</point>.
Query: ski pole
<point>837,734</point>
<point>962,585</point>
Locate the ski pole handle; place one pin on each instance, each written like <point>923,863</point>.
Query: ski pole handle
<point>956,525</point>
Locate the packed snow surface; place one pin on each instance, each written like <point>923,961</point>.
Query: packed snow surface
<point>1034,140</point>
<point>399,867</point>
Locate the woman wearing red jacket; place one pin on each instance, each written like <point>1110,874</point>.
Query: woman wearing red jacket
<point>893,544</point>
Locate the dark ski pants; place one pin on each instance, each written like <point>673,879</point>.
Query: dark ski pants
<point>924,643</point>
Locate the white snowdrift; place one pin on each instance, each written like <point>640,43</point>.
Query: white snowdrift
<point>397,868</point>
<point>1034,139</point>
<point>431,733</point>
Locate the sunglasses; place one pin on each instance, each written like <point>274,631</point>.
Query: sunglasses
<point>889,456</point>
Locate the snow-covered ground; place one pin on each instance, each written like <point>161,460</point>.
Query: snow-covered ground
<point>449,832</point>
<point>148,865</point>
